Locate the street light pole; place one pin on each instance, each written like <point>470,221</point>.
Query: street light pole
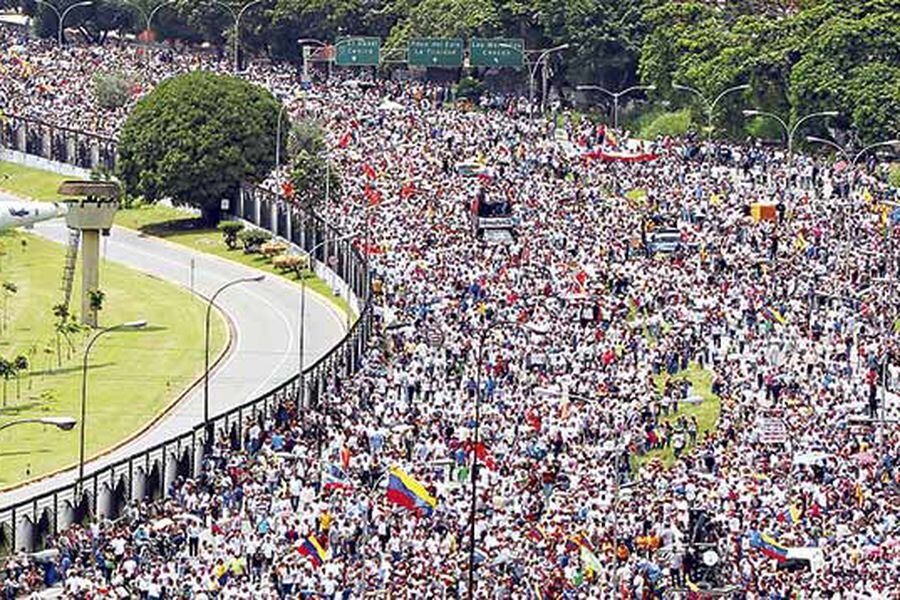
<point>710,106</point>
<point>278,137</point>
<point>237,31</point>
<point>851,161</point>
<point>790,131</point>
<point>540,59</point>
<point>61,18</point>
<point>84,371</point>
<point>616,96</point>
<point>532,72</point>
<point>209,307</point>
<point>479,365</point>
<point>236,16</point>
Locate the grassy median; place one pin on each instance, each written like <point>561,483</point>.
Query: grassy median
<point>133,375</point>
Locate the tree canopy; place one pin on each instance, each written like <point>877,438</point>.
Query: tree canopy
<point>195,138</point>
<point>799,56</point>
<point>837,55</point>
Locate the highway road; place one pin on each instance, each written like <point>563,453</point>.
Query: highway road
<point>265,322</point>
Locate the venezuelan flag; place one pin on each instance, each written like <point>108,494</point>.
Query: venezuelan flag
<point>409,493</point>
<point>768,546</point>
<point>771,314</point>
<point>793,515</point>
<point>314,550</point>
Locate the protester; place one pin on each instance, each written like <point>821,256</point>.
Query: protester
<point>619,436</point>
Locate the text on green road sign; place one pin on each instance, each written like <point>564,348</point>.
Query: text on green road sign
<point>435,52</point>
<point>497,52</point>
<point>357,51</point>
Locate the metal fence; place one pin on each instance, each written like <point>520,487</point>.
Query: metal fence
<point>149,474</point>
<point>59,144</point>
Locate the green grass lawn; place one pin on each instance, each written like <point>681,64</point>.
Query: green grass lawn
<point>636,194</point>
<point>34,184</point>
<point>133,376</point>
<point>707,413</point>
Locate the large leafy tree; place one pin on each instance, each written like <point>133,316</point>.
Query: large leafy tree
<point>195,138</point>
<point>800,57</point>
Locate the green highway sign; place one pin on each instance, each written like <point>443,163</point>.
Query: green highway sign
<point>357,52</point>
<point>497,52</point>
<point>435,52</point>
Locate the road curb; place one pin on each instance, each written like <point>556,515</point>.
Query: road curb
<point>227,351</point>
<point>339,315</point>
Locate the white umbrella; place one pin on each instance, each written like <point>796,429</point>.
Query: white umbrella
<point>390,105</point>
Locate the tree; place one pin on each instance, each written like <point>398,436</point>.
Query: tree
<point>9,289</point>
<point>6,371</point>
<point>308,178</point>
<point>230,231</point>
<point>195,138</point>
<point>19,364</point>
<point>799,57</point>
<point>65,325</point>
<point>96,298</point>
<point>111,90</point>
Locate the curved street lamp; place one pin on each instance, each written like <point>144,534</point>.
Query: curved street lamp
<point>532,72</point>
<point>209,307</point>
<point>62,423</point>
<point>148,18</point>
<point>615,96</point>
<point>479,393</point>
<point>236,16</point>
<point>790,131</point>
<point>84,372</point>
<point>61,17</point>
<point>710,106</point>
<point>851,161</point>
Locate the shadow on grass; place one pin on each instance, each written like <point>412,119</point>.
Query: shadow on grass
<point>172,227</point>
<point>26,452</point>
<point>72,369</point>
<point>145,329</point>
<point>15,407</point>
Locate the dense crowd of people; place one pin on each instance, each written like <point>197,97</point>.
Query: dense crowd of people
<point>653,422</point>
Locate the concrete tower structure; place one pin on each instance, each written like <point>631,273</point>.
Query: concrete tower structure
<point>91,216</point>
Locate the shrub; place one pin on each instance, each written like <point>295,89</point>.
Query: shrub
<point>894,176</point>
<point>764,129</point>
<point>470,88</point>
<point>111,90</point>
<point>230,231</point>
<point>253,239</point>
<point>272,249</point>
<point>291,263</point>
<point>669,123</point>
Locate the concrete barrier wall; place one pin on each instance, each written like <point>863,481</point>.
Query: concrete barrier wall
<point>39,162</point>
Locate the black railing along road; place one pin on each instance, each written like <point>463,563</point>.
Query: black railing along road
<point>59,144</point>
<point>149,474</point>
